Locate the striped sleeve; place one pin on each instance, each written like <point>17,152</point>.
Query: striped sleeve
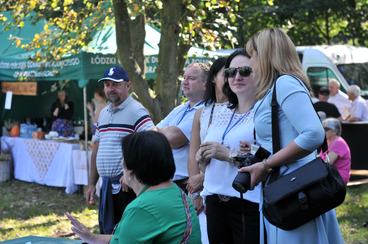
<point>143,123</point>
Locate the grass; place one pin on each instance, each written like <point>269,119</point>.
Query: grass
<point>30,209</point>
<point>353,215</point>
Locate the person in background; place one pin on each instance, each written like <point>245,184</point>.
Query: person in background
<point>121,117</point>
<point>338,152</point>
<point>231,219</point>
<point>323,105</point>
<point>61,115</point>
<point>275,62</point>
<point>177,125</point>
<point>161,213</point>
<point>94,108</point>
<point>338,98</point>
<point>358,110</point>
<point>214,101</point>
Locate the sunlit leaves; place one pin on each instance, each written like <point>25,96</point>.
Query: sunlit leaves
<point>68,27</point>
<point>21,24</point>
<point>68,2</point>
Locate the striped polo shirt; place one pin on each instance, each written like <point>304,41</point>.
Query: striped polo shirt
<point>113,124</point>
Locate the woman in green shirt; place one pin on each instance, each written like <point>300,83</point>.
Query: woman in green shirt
<point>161,213</point>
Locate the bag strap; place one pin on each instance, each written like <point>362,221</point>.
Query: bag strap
<point>276,130</point>
<point>188,228</point>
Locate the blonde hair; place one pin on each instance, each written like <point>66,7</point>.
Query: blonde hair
<point>276,56</point>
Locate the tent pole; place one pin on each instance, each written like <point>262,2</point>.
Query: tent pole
<point>85,128</point>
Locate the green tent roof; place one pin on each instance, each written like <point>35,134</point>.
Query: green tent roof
<point>89,64</point>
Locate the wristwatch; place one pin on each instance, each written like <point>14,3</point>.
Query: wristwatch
<point>232,155</point>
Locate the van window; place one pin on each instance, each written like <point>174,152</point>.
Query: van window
<point>319,77</point>
<point>355,74</point>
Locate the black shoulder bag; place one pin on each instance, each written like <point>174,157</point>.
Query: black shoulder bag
<point>292,200</point>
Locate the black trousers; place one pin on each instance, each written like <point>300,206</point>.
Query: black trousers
<point>182,184</point>
<point>232,220</point>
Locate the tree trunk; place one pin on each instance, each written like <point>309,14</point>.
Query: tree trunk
<point>130,35</point>
<point>182,51</point>
<point>167,70</point>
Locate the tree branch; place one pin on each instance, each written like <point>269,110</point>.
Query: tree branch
<point>133,60</point>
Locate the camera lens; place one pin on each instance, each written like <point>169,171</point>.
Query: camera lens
<point>241,182</point>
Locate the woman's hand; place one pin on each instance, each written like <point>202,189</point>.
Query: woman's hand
<point>56,112</point>
<point>202,162</point>
<point>198,204</point>
<point>195,183</point>
<point>258,172</point>
<point>244,147</point>
<point>214,150</point>
<point>81,230</point>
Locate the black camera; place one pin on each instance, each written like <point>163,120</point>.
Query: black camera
<point>257,153</point>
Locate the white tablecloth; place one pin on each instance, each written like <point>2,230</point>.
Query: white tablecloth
<point>47,162</point>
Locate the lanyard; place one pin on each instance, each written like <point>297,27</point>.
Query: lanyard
<point>188,109</point>
<point>228,127</point>
<point>211,115</point>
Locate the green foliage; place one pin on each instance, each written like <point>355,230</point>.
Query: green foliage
<point>70,25</point>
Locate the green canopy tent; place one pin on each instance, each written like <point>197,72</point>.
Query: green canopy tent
<point>88,65</point>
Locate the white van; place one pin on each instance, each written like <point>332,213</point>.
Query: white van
<point>347,64</point>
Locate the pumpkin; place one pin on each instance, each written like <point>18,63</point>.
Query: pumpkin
<point>14,131</point>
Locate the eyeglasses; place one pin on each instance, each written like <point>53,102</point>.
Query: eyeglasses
<point>327,129</point>
<point>244,71</point>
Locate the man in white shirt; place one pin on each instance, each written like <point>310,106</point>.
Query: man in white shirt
<point>338,98</point>
<point>177,125</point>
<point>358,109</point>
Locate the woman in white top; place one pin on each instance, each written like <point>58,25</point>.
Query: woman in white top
<point>214,101</point>
<point>230,219</point>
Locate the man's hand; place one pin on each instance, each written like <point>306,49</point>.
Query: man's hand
<point>90,194</point>
<point>124,187</point>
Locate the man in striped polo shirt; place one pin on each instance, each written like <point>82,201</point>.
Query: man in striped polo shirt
<point>124,115</point>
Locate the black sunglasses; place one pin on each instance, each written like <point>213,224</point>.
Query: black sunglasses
<point>244,71</point>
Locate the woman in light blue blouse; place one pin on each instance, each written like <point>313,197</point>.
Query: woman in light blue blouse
<point>275,62</point>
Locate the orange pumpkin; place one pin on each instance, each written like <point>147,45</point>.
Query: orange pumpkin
<point>14,131</point>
